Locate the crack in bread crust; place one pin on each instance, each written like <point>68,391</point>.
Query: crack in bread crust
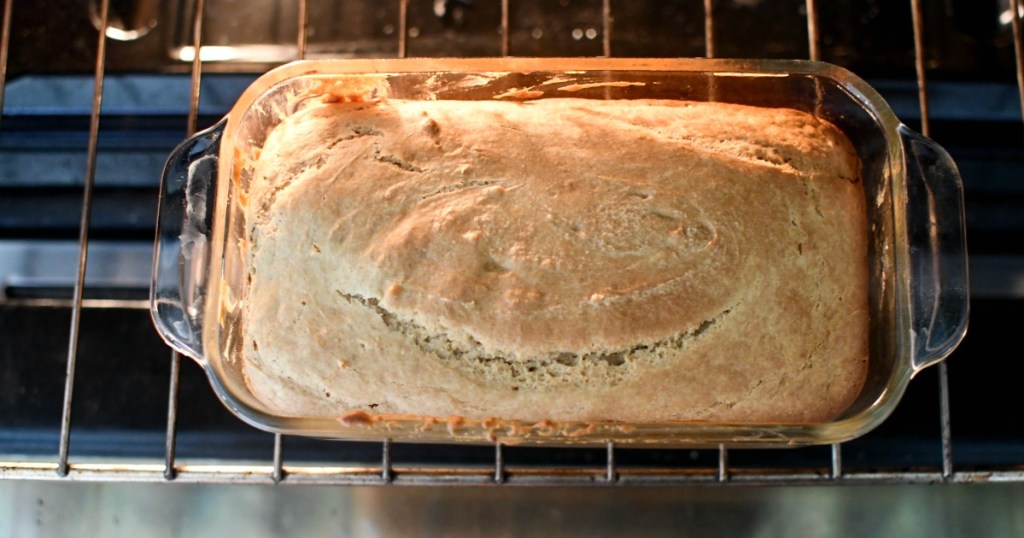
<point>558,368</point>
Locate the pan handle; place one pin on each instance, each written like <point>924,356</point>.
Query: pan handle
<point>939,291</point>
<point>181,255</point>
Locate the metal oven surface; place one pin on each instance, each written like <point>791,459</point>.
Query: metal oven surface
<point>88,391</point>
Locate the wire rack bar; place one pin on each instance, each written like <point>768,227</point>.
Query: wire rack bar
<point>387,473</point>
<point>723,464</point>
<point>814,52</point>
<point>709,30</point>
<point>197,66</point>
<point>606,34</point>
<point>128,304</point>
<point>813,37</point>
<point>611,472</point>
<point>170,446</point>
<point>499,464</point>
<point>416,475</point>
<point>170,471</point>
<point>403,28</point>
<point>1018,50</point>
<point>277,474</point>
<point>5,39</point>
<point>83,239</point>
<point>505,37</point>
<point>922,91</point>
<point>813,41</point>
<point>922,94</point>
<point>709,45</point>
<point>947,435</point>
<point>837,461</point>
<point>303,28</point>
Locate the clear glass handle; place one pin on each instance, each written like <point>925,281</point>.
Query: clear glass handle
<point>938,249</point>
<point>181,256</point>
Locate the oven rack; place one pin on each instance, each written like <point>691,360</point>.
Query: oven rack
<point>610,473</point>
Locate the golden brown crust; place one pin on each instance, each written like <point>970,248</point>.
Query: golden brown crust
<point>562,259</point>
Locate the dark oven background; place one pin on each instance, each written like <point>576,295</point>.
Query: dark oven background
<point>131,401</point>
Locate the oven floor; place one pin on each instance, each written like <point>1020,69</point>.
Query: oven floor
<point>115,509</point>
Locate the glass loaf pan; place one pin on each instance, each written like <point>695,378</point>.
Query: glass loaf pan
<point>917,254</point>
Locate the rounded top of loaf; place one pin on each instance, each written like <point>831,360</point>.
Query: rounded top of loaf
<point>477,222</point>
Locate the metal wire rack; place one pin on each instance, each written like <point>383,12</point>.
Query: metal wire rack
<point>278,470</point>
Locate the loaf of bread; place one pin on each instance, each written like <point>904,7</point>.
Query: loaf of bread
<point>564,259</point>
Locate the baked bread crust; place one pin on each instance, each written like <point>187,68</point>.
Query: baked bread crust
<point>563,259</point>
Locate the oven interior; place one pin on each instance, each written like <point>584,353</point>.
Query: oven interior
<point>89,391</point>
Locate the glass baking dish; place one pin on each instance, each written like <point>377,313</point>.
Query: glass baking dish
<point>917,254</point>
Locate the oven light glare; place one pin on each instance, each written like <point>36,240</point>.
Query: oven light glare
<point>210,53</point>
<point>1006,17</point>
<point>749,74</point>
<point>239,53</point>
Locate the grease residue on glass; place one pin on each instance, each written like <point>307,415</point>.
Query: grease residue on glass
<point>358,89</point>
<point>520,93</point>
<point>615,84</point>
